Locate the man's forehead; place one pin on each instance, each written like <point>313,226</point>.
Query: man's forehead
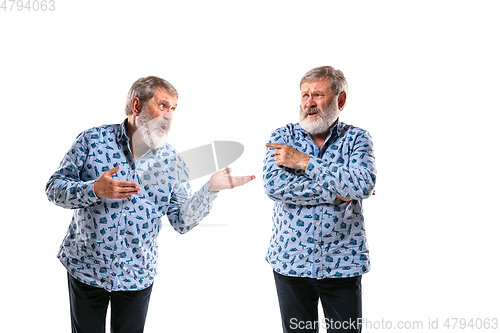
<point>162,95</point>
<point>320,84</point>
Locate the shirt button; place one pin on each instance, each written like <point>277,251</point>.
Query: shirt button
<point>317,245</point>
<point>317,223</point>
<point>124,214</point>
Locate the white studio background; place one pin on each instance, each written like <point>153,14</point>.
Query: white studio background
<point>423,79</point>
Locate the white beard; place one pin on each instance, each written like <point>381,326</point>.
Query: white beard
<point>149,129</point>
<point>323,123</point>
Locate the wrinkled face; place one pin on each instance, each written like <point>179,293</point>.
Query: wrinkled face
<point>318,106</point>
<point>155,119</point>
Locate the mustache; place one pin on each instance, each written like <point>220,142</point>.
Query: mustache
<point>313,110</point>
<point>165,122</point>
<point>154,124</point>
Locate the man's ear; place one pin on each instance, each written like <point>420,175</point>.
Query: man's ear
<point>341,100</point>
<point>136,106</point>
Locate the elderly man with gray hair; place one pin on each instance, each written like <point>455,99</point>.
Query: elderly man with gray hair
<point>318,171</point>
<point>110,250</point>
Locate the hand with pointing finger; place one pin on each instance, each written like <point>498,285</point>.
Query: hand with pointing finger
<point>107,187</point>
<point>289,157</point>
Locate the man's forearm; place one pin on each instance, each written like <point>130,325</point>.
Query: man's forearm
<point>70,194</point>
<point>186,210</point>
<point>281,185</point>
<point>353,178</point>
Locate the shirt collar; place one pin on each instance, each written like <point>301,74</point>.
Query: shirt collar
<point>335,128</point>
<point>122,133</point>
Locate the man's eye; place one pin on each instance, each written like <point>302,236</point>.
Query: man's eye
<point>305,96</point>
<point>162,106</point>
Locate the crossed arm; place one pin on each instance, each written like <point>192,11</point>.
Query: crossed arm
<point>286,156</point>
<point>316,181</point>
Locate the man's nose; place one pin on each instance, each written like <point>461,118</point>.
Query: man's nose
<point>310,102</point>
<point>168,114</point>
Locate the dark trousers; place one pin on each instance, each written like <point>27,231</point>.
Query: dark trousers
<point>89,306</point>
<point>298,299</point>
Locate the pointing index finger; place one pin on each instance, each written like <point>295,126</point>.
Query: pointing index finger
<point>274,145</point>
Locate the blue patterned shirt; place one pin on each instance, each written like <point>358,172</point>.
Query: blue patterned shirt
<point>112,243</point>
<point>315,234</point>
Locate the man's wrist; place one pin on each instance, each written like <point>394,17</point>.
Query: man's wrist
<point>209,185</point>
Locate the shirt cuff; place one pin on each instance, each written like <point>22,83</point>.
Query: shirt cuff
<point>88,194</point>
<point>317,170</point>
<point>313,169</point>
<point>207,194</point>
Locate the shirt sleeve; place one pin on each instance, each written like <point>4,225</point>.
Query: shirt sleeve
<point>289,185</point>
<point>186,210</point>
<point>65,188</point>
<point>353,178</point>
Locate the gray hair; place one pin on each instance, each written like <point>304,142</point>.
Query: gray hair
<point>338,83</point>
<point>145,89</point>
